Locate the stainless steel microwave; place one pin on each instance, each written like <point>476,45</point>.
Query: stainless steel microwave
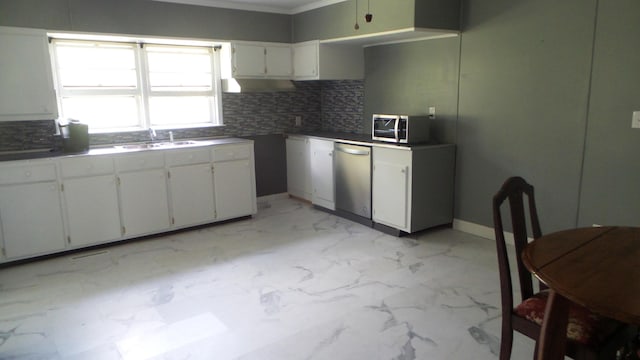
<point>401,129</point>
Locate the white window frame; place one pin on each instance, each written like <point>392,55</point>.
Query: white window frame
<point>143,91</point>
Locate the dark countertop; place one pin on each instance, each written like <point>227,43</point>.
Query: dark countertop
<point>362,139</point>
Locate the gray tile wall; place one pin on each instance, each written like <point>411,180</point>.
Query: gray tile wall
<point>322,105</point>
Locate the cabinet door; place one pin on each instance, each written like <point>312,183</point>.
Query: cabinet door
<point>322,177</point>
<point>144,202</point>
<point>390,194</point>
<point>279,61</point>
<point>234,189</point>
<point>191,189</point>
<point>31,219</point>
<point>26,89</point>
<point>298,170</point>
<point>248,60</point>
<point>305,61</point>
<point>92,209</point>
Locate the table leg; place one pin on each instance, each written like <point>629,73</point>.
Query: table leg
<point>551,343</point>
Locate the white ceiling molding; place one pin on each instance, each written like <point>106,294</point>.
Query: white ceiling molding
<point>289,7</point>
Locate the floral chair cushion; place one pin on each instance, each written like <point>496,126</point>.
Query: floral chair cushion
<point>582,326</point>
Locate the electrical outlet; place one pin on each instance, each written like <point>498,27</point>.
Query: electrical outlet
<point>298,120</point>
<point>432,112</point>
<point>635,120</point>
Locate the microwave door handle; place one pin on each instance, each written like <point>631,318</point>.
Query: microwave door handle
<point>352,151</point>
<point>397,130</point>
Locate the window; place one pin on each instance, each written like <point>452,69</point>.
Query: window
<point>119,86</point>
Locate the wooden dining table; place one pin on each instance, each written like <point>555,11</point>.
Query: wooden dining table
<point>596,267</point>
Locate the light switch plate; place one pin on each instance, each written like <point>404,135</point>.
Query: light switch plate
<point>635,120</point>
<point>432,112</point>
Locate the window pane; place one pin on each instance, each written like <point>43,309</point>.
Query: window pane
<point>96,65</point>
<point>166,110</point>
<point>103,112</point>
<point>176,69</point>
<point>180,82</point>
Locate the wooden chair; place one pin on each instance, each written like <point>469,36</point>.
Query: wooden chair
<point>589,336</point>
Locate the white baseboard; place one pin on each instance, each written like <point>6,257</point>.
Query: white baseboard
<point>480,230</point>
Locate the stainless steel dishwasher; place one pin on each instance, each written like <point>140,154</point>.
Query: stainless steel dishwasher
<point>353,179</point>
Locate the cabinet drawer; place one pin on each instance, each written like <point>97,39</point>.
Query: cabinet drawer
<point>135,162</point>
<point>225,153</point>
<point>27,174</point>
<point>187,157</point>
<point>86,166</point>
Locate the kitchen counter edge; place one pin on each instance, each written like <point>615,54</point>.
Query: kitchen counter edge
<point>111,149</point>
<point>362,139</point>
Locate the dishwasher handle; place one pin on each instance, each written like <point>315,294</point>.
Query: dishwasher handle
<point>352,151</point>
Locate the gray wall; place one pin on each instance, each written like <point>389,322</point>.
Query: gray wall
<point>529,106</point>
<point>611,180</point>
<point>408,78</point>
<point>138,17</point>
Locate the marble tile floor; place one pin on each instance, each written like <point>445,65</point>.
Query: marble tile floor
<point>293,282</point>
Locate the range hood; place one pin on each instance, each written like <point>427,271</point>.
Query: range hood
<point>256,85</point>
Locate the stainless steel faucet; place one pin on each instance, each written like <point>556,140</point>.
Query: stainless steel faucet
<point>152,134</point>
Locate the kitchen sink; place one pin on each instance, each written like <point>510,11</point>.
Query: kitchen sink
<point>160,145</point>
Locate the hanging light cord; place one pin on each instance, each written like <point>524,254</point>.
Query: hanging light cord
<point>356,26</point>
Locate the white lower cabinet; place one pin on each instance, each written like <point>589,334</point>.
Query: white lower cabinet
<point>91,200</point>
<point>234,181</point>
<point>30,210</point>
<point>92,210</point>
<point>298,167</point>
<point>52,205</point>
<point>390,207</point>
<point>412,188</point>
<point>191,187</point>
<point>143,202</point>
<point>322,179</point>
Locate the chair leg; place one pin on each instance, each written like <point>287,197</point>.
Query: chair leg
<point>506,341</point>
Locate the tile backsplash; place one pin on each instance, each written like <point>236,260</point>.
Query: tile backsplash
<point>322,105</point>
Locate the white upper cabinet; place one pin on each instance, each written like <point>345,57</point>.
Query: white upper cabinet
<point>258,60</point>
<point>26,88</point>
<point>313,60</point>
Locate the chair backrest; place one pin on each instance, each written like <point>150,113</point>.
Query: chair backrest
<point>514,189</point>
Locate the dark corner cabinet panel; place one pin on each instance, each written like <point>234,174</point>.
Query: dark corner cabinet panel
<point>412,188</point>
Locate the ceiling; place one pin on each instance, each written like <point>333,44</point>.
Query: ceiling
<point>273,6</point>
